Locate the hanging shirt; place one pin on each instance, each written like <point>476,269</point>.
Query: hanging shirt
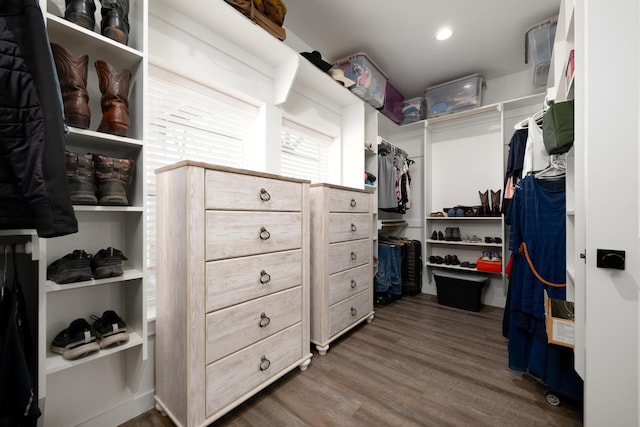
<point>536,157</point>
<point>388,181</point>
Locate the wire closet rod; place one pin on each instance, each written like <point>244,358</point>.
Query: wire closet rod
<point>391,148</point>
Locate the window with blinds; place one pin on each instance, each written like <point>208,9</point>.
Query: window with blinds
<point>189,121</point>
<point>305,152</point>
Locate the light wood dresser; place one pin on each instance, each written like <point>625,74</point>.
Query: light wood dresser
<point>341,271</point>
<point>232,287</point>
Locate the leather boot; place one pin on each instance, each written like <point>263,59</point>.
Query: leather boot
<point>495,202</point>
<point>81,178</point>
<point>72,74</point>
<point>81,12</point>
<point>115,20</point>
<point>485,210</point>
<point>114,86</point>
<point>112,176</point>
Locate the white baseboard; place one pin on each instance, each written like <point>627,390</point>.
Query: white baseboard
<point>123,412</point>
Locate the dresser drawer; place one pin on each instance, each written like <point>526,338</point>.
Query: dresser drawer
<point>232,377</point>
<point>232,281</point>
<point>349,311</point>
<point>350,282</point>
<point>234,191</point>
<point>239,326</point>
<point>346,226</point>
<point>348,255</point>
<point>348,201</point>
<point>233,234</point>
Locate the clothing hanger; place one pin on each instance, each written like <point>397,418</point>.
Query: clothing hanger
<point>557,168</point>
<point>537,117</point>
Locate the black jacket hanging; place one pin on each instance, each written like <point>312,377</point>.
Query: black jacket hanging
<point>18,401</point>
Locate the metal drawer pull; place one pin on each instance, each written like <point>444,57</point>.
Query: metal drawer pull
<point>353,256</point>
<point>264,234</point>
<point>264,320</point>
<point>264,363</point>
<point>353,203</point>
<point>264,277</point>
<point>354,228</point>
<point>264,195</point>
<point>353,284</point>
<point>353,311</point>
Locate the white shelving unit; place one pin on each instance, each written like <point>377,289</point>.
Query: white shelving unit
<point>465,251</point>
<point>99,227</point>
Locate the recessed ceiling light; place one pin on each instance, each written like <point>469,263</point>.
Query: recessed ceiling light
<point>444,33</point>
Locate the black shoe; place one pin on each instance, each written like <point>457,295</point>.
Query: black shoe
<point>107,263</point>
<point>110,329</point>
<point>432,259</point>
<point>78,340</point>
<point>115,20</point>
<point>81,12</point>
<point>73,267</point>
<point>434,235</point>
<point>440,235</point>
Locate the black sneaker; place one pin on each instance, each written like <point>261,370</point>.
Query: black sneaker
<point>78,340</point>
<point>107,263</point>
<point>73,267</point>
<point>110,329</point>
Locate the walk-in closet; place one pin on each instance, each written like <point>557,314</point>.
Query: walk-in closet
<point>294,213</point>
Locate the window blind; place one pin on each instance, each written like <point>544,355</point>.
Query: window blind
<point>189,121</point>
<point>305,152</point>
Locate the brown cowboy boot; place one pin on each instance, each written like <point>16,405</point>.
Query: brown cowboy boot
<point>72,74</point>
<point>115,20</point>
<point>81,12</point>
<point>485,209</point>
<point>113,176</point>
<point>495,202</point>
<point>114,86</point>
<point>81,178</point>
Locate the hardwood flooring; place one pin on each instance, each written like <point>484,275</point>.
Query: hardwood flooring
<point>417,364</point>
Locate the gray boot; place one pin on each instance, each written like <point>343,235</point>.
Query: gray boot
<point>113,177</point>
<point>81,178</point>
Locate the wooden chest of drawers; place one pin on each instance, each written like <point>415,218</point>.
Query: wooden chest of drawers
<point>341,272</point>
<point>232,287</point>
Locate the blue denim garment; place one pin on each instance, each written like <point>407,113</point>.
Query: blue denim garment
<point>388,277</point>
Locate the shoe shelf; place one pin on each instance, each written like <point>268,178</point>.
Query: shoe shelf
<point>92,43</point>
<point>475,244</point>
<point>457,267</point>
<point>128,275</point>
<point>122,227</point>
<point>56,363</point>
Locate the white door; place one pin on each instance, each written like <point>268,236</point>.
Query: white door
<point>610,94</point>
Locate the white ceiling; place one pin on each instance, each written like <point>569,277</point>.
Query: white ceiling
<point>399,36</point>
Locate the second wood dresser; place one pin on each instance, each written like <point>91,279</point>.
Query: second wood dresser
<point>233,287</point>
<point>341,272</point>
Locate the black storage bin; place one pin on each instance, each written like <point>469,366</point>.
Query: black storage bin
<point>460,290</point>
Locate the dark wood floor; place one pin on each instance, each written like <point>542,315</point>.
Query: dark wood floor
<point>417,364</point>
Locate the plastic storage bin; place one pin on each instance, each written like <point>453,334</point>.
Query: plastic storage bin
<point>371,83</point>
<point>453,96</point>
<point>460,290</point>
<point>393,101</point>
<point>413,110</point>
<point>538,47</point>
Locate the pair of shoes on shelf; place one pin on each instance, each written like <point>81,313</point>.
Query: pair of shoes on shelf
<point>452,234</point>
<point>455,212</point>
<point>81,339</point>
<point>493,240</point>
<point>436,214</point>
<point>451,260</point>
<point>467,264</point>
<point>79,266</point>
<point>434,259</point>
<point>437,235</point>
<point>491,256</point>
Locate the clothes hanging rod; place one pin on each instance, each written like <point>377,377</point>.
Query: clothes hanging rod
<point>391,148</point>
